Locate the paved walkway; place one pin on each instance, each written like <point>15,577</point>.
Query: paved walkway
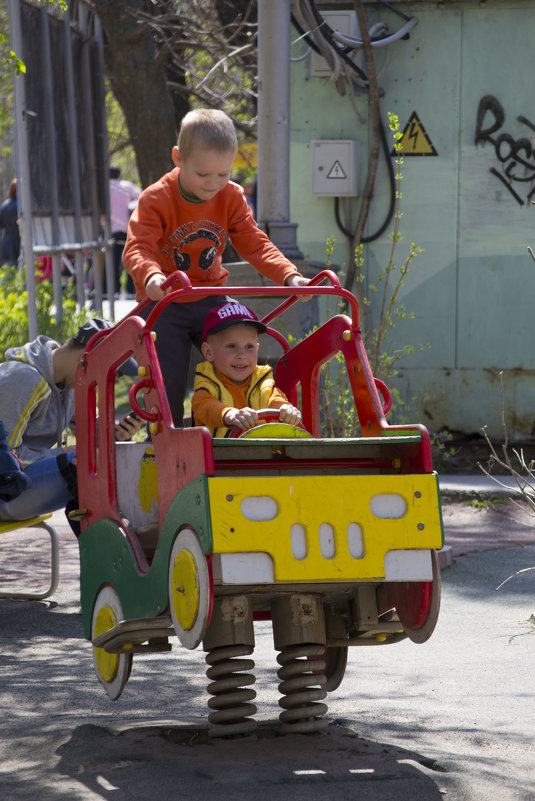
<point>478,515</point>
<point>445,720</point>
<point>473,484</point>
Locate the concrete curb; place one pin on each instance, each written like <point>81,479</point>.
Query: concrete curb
<point>470,485</point>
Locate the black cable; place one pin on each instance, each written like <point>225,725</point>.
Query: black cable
<point>341,52</point>
<point>395,10</point>
<point>304,34</point>
<point>339,223</point>
<point>388,217</point>
<point>328,32</point>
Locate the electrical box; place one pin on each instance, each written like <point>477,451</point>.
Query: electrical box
<point>343,21</point>
<point>335,167</point>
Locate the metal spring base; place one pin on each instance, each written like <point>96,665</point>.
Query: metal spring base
<point>230,699</point>
<point>300,693</point>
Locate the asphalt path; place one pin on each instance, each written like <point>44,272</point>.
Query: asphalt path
<point>452,718</point>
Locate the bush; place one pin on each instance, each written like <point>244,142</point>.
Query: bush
<point>14,329</point>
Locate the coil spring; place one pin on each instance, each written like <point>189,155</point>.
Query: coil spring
<point>300,694</point>
<point>230,700</point>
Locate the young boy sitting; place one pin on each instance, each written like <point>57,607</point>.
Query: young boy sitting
<point>182,222</point>
<point>37,401</point>
<point>230,386</point>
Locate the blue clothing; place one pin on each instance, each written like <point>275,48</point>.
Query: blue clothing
<point>13,480</point>
<point>10,248</point>
<point>48,492</point>
<point>34,412</point>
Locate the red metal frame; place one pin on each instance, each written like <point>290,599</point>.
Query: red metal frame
<point>179,461</point>
<point>182,456</point>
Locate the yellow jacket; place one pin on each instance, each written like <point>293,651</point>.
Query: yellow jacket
<point>258,395</point>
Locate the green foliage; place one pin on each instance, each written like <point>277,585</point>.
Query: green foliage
<point>338,412</point>
<point>484,502</point>
<point>10,57</point>
<point>7,156</point>
<point>120,148</point>
<point>389,283</point>
<point>338,409</point>
<point>18,66</point>
<point>14,329</point>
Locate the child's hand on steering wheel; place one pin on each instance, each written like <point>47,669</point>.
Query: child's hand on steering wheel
<point>289,414</point>
<point>241,418</point>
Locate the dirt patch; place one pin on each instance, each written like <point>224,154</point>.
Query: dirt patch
<point>455,453</point>
<point>485,524</point>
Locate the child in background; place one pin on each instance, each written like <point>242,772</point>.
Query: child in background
<point>37,402</point>
<point>182,223</point>
<point>230,386</point>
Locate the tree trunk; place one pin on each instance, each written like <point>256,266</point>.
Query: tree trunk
<point>137,73</point>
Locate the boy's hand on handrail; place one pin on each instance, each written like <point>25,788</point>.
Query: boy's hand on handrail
<point>153,287</point>
<point>298,280</point>
<point>158,285</point>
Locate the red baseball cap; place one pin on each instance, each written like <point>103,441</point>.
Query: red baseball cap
<point>229,314</point>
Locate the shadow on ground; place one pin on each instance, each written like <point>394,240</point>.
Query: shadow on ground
<point>337,764</point>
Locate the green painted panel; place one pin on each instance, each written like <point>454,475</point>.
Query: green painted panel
<point>496,274</point>
<point>471,290</point>
<point>496,312</point>
<point>429,184</point>
<point>468,400</point>
<point>107,558</point>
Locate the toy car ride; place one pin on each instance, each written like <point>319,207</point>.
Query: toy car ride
<point>333,539</point>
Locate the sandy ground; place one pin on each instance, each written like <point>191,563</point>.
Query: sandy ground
<point>452,718</point>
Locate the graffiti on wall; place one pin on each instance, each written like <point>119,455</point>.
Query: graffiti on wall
<point>513,154</point>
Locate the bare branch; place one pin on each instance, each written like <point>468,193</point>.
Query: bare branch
<point>518,572</point>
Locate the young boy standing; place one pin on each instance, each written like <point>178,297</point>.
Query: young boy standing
<point>230,386</point>
<point>182,222</point>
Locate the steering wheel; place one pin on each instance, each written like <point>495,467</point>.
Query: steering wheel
<point>270,427</point>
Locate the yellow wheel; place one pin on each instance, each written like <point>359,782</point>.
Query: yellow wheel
<point>112,670</point>
<point>190,591</point>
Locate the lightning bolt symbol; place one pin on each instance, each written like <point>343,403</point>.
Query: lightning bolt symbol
<point>413,134</point>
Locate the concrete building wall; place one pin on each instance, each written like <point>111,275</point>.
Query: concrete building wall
<point>467,73</point>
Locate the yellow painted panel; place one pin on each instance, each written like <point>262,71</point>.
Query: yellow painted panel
<point>337,501</point>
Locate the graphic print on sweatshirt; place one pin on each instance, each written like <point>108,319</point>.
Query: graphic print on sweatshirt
<point>210,246</point>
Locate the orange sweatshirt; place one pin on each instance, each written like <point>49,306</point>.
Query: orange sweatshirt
<point>168,233</point>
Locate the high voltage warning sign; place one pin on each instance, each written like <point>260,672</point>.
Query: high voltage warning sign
<point>414,140</point>
<point>336,171</point>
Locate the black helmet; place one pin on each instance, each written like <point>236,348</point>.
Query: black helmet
<point>92,327</point>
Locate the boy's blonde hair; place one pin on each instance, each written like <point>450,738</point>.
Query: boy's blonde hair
<point>208,129</point>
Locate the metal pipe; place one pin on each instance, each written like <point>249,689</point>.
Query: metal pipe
<point>74,154</point>
<point>104,176</point>
<point>273,192</point>
<point>273,110</point>
<point>50,129</point>
<point>91,148</point>
<point>23,167</point>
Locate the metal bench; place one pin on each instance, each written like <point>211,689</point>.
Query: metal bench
<point>36,523</point>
